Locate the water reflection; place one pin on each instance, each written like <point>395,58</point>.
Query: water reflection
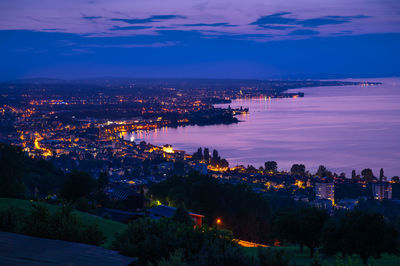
<point>344,128</point>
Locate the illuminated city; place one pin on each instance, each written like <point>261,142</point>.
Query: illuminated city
<point>200,133</point>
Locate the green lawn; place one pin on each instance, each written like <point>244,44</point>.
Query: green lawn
<point>303,258</point>
<point>108,227</point>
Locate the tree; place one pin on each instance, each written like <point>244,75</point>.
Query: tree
<point>323,172</point>
<point>102,181</point>
<point>353,174</point>
<point>381,175</point>
<point>176,258</point>
<point>13,169</point>
<point>367,175</point>
<point>223,163</point>
<point>215,155</point>
<point>271,166</point>
<point>206,155</point>
<point>395,179</point>
<point>152,240</point>
<point>272,257</point>
<point>360,233</point>
<point>302,226</point>
<point>236,205</point>
<point>198,155</point>
<point>77,185</point>
<point>181,215</point>
<point>298,169</point>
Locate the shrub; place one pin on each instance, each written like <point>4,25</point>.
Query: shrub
<point>152,241</point>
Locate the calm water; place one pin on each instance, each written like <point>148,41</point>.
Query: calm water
<point>343,128</point>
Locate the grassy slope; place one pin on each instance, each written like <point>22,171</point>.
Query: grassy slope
<point>303,258</point>
<point>108,227</point>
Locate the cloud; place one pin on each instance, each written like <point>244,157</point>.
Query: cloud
<point>152,45</point>
<point>275,27</point>
<point>131,28</point>
<point>304,32</point>
<point>329,20</point>
<point>91,17</point>
<point>222,24</point>
<point>276,18</point>
<point>156,18</point>
<point>275,21</point>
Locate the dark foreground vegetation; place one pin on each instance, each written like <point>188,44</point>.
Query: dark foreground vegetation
<point>364,234</point>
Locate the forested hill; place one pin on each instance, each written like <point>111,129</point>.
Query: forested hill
<point>25,177</point>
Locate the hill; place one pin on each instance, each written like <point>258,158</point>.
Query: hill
<point>108,227</point>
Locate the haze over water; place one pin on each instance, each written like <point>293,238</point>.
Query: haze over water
<point>343,128</point>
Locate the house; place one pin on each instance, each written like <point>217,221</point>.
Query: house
<point>119,215</point>
<point>160,211</point>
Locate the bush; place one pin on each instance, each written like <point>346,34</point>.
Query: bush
<point>38,222</point>
<point>272,257</point>
<point>175,259</point>
<point>63,225</point>
<point>10,220</point>
<point>152,241</point>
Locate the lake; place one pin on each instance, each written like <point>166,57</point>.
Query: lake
<point>343,128</point>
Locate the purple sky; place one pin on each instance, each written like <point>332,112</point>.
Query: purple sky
<point>202,39</point>
<point>276,19</point>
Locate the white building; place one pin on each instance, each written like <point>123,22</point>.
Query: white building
<point>382,190</point>
<point>325,191</point>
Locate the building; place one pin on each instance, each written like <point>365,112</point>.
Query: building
<point>325,191</point>
<point>201,168</point>
<point>346,204</point>
<point>167,211</point>
<point>382,190</point>
<point>323,204</point>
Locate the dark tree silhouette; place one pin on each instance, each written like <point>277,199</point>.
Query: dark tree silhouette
<point>353,174</point>
<point>271,166</point>
<point>302,226</point>
<point>364,234</point>
<point>77,185</point>
<point>323,172</point>
<point>13,168</point>
<point>298,169</point>
<point>367,175</point>
<point>381,174</point>
<point>206,155</point>
<point>102,181</point>
<point>181,215</point>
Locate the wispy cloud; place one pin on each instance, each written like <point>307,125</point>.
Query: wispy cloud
<point>131,28</point>
<point>278,19</point>
<point>155,18</point>
<point>222,24</point>
<point>144,45</point>
<point>92,17</point>
<point>304,32</point>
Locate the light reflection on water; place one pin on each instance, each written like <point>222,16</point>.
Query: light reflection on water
<point>343,128</point>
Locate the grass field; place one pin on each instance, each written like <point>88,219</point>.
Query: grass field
<point>108,227</point>
<point>303,258</point>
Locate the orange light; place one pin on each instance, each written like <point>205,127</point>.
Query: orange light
<point>219,221</point>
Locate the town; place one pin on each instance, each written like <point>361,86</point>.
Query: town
<point>84,130</point>
<point>75,147</point>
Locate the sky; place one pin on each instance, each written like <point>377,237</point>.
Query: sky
<point>272,39</point>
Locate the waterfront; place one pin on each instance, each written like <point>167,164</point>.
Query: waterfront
<point>343,128</point>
